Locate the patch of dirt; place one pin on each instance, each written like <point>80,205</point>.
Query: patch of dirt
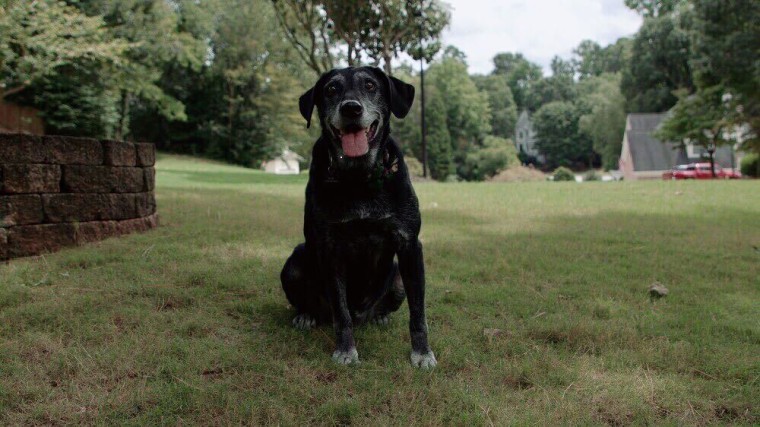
<point>517,382</point>
<point>519,174</point>
<point>327,377</point>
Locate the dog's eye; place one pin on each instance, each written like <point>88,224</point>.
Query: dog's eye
<point>331,90</point>
<point>370,86</point>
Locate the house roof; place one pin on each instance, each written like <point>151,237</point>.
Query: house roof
<point>650,154</point>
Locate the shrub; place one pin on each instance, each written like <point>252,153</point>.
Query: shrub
<point>495,155</point>
<point>751,165</point>
<point>563,174</point>
<point>413,165</point>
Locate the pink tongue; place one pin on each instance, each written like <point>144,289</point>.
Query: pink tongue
<point>355,144</point>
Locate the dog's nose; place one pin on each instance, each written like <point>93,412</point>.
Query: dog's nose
<point>351,109</point>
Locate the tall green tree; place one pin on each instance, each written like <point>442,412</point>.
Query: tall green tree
<point>503,107</point>
<point>653,8</point>
<point>521,75</point>
<point>559,139</point>
<point>604,121</point>
<point>726,44</point>
<point>703,118</point>
<point>560,86</point>
<point>440,156</point>
<point>61,61</point>
<point>660,65</point>
<point>468,115</point>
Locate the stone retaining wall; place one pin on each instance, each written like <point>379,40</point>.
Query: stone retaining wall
<point>61,191</point>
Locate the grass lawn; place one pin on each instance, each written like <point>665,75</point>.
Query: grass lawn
<point>537,304</point>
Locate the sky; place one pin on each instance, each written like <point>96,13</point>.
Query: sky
<point>539,29</point>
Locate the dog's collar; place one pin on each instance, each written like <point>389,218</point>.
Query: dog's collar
<point>381,173</point>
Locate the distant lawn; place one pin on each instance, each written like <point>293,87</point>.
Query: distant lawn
<point>537,302</point>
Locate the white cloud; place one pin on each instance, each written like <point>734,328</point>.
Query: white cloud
<point>539,29</point>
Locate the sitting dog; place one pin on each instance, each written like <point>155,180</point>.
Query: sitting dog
<point>361,213</point>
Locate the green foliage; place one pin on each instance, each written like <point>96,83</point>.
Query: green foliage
<point>503,107</point>
<point>750,165</point>
<point>590,59</point>
<point>659,66</point>
<point>61,61</point>
<point>702,118</point>
<point>726,44</point>
<point>377,29</point>
<point>439,149</point>
<point>560,86</point>
<point>604,122</point>
<point>563,174</point>
<point>559,139</point>
<point>521,76</point>
<point>653,8</point>
<point>495,155</point>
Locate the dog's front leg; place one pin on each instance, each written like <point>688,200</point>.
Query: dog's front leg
<point>345,346</point>
<point>412,268</point>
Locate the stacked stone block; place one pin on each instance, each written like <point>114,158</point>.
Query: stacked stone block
<point>61,191</point>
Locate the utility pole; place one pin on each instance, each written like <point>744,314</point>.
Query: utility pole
<point>418,14</point>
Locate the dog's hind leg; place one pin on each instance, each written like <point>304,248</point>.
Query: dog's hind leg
<point>297,283</point>
<point>392,300</point>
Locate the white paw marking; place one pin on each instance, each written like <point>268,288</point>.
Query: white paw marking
<point>304,322</point>
<point>381,320</point>
<point>346,357</point>
<point>424,361</point>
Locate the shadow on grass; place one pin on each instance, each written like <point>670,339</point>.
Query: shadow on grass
<point>235,177</point>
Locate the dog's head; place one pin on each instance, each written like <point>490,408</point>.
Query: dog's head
<point>354,107</point>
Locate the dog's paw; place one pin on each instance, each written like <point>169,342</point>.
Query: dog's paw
<point>346,357</point>
<point>383,320</point>
<point>304,321</point>
<point>424,361</point>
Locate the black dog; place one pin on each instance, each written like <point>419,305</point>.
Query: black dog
<point>361,213</point>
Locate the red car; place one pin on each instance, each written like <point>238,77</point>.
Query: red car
<point>700,171</point>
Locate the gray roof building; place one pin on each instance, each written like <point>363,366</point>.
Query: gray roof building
<point>644,156</point>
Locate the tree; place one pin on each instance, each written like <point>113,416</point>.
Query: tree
<point>495,155</point>
<point>379,29</point>
<point>307,28</point>
<point>659,66</point>
<point>560,86</point>
<point>468,115</point>
<point>503,107</point>
<point>558,136</point>
<point>653,8</point>
<point>703,118</point>
<point>440,159</point>
<point>39,37</point>
<point>397,29</point>
<point>590,59</point>
<point>604,123</point>
<point>521,75</point>
<point>726,44</point>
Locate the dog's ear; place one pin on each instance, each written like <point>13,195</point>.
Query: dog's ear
<point>306,105</point>
<point>402,96</point>
<point>310,98</point>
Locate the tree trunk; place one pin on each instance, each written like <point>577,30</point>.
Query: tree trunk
<point>387,57</point>
<point>121,128</point>
<point>712,162</point>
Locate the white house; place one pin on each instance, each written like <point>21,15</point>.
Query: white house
<point>284,164</point>
<point>525,136</point>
